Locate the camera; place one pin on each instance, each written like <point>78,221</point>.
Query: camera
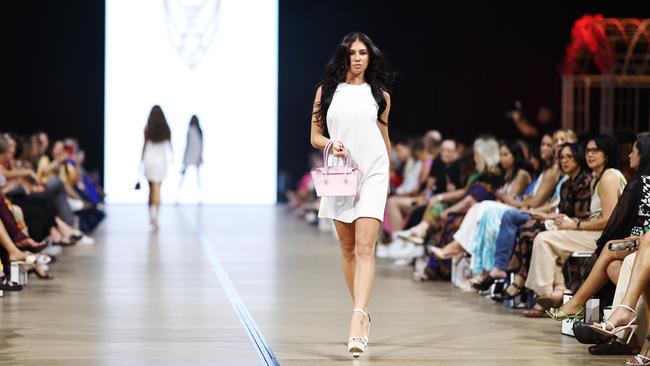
<point>517,109</point>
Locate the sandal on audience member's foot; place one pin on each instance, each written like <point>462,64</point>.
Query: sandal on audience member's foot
<point>32,246</point>
<point>639,360</point>
<point>412,235</point>
<point>63,243</point>
<point>585,334</point>
<point>476,279</point>
<point>534,313</point>
<point>41,273</point>
<point>642,357</point>
<point>486,283</point>
<point>29,260</point>
<point>549,301</point>
<point>439,253</point>
<point>507,295</point>
<point>610,347</point>
<point>7,285</point>
<point>607,328</point>
<point>559,315</point>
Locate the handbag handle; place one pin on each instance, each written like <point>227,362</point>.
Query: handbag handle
<point>326,153</point>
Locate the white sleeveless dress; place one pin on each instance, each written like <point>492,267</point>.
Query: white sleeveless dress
<point>155,160</point>
<point>352,119</point>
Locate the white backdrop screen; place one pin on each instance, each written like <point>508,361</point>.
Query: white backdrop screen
<point>216,59</point>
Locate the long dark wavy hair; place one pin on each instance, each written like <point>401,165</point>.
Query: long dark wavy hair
<point>157,129</point>
<point>336,70</point>
<point>194,121</point>
<point>518,157</point>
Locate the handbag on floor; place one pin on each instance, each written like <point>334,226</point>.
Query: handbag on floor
<point>335,181</point>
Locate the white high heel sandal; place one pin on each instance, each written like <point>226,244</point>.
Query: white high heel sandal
<point>356,345</point>
<point>639,360</point>
<point>629,327</point>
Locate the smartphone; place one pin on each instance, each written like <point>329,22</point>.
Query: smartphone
<point>622,245</point>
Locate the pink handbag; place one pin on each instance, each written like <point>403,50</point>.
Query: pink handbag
<point>335,181</point>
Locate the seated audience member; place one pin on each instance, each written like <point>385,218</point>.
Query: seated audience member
<point>552,248</point>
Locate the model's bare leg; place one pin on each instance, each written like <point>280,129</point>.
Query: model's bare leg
<point>345,234</point>
<point>154,203</point>
<point>639,280</point>
<point>366,230</point>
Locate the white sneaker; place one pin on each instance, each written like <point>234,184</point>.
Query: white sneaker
<point>86,240</point>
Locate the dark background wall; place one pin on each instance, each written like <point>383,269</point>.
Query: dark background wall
<point>462,65</point>
<point>54,71</point>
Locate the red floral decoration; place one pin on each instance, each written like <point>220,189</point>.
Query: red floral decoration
<point>588,36</point>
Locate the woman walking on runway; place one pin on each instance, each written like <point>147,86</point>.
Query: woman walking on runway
<point>352,102</point>
<point>157,136</point>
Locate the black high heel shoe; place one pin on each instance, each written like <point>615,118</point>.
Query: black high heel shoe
<point>486,283</point>
<point>507,296</point>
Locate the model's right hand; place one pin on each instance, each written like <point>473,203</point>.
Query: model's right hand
<point>339,150</point>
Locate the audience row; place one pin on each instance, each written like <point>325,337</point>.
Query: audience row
<point>516,214</point>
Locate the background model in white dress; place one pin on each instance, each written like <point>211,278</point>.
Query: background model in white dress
<point>352,119</point>
<point>155,160</point>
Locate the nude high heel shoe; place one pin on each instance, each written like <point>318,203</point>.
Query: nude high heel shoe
<point>356,345</point>
<point>620,331</point>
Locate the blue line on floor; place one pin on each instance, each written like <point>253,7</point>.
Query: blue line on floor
<point>252,330</point>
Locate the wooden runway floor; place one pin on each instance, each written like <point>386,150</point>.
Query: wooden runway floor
<point>166,298</point>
